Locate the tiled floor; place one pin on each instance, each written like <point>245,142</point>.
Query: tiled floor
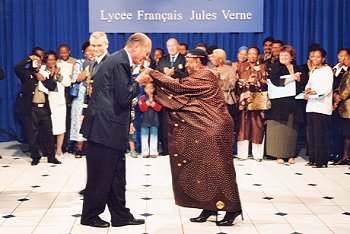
<point>276,198</point>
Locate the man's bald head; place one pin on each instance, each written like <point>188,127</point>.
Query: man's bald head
<point>140,38</point>
<point>139,47</point>
<point>172,46</point>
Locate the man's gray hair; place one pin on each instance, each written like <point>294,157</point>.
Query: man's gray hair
<point>98,35</point>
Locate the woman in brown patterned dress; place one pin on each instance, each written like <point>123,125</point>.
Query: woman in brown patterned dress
<point>252,78</point>
<point>200,141</point>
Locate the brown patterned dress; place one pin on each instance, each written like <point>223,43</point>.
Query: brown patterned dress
<point>252,123</point>
<point>200,141</point>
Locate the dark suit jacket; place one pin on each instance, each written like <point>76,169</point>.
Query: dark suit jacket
<point>93,71</point>
<point>179,65</point>
<point>95,66</point>
<point>107,118</point>
<point>26,74</point>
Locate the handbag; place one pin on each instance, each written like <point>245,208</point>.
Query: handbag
<point>74,90</point>
<point>259,101</point>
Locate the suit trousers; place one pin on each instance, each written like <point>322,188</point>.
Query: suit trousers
<point>317,130</point>
<point>38,129</point>
<point>105,184</point>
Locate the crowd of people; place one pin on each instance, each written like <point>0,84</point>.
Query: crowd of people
<point>189,104</point>
<point>272,131</point>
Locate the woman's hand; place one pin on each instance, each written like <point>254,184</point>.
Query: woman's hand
<point>337,100</point>
<point>58,71</point>
<point>252,79</point>
<point>296,76</point>
<point>39,76</point>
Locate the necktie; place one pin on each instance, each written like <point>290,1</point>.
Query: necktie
<point>172,61</point>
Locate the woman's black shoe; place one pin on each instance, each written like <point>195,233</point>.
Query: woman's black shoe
<point>229,218</point>
<point>205,214</point>
<point>310,164</point>
<point>343,162</point>
<point>78,154</point>
<point>319,166</point>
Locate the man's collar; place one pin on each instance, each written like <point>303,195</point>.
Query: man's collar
<point>99,59</point>
<point>129,57</point>
<point>175,56</point>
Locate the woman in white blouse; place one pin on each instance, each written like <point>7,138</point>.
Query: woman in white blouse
<point>318,93</point>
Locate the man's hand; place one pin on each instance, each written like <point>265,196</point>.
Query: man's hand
<point>33,57</point>
<point>169,71</point>
<point>146,70</point>
<point>143,78</point>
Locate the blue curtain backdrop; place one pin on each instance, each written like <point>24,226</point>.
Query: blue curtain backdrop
<point>48,23</point>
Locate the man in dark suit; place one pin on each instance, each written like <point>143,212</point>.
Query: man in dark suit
<point>174,65</point>
<point>33,105</point>
<point>99,43</point>
<point>106,126</point>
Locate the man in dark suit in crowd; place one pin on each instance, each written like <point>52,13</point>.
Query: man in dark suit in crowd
<point>33,105</point>
<point>106,126</point>
<point>174,65</point>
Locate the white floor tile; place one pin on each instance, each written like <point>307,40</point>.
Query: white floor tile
<point>54,205</point>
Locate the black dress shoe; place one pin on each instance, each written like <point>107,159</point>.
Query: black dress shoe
<point>131,222</point>
<point>204,215</point>
<point>97,223</point>
<point>82,192</point>
<point>320,166</point>
<point>310,164</point>
<point>53,160</point>
<point>164,153</point>
<point>35,161</point>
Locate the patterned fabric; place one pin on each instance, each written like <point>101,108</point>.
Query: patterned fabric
<point>77,104</point>
<point>344,91</point>
<point>200,141</point>
<point>251,126</point>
